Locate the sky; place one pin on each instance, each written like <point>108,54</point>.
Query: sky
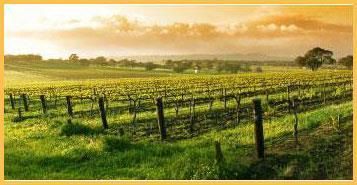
<point>56,31</point>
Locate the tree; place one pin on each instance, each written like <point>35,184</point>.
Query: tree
<point>258,69</point>
<point>232,68</point>
<point>23,58</point>
<point>300,61</point>
<point>209,65</point>
<point>197,66</point>
<point>228,66</point>
<point>220,67</point>
<point>246,68</point>
<point>127,63</point>
<point>101,60</point>
<point>347,61</point>
<point>149,66</point>
<point>169,64</point>
<point>181,66</point>
<point>315,58</point>
<point>112,61</point>
<point>83,61</point>
<point>73,58</point>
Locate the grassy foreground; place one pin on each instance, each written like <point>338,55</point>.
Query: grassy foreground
<point>45,148</point>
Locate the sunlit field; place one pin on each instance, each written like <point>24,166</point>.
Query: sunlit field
<point>48,146</point>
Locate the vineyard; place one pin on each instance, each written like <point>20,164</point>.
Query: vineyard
<point>191,105</point>
<point>179,108</point>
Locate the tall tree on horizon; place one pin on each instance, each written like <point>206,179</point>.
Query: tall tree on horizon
<point>315,58</point>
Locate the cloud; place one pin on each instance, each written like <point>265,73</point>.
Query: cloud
<point>272,24</point>
<point>267,28</point>
<point>118,23</point>
<point>290,28</point>
<point>303,22</point>
<point>122,35</point>
<point>73,21</point>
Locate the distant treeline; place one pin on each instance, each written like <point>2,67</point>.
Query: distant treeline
<point>178,66</point>
<point>28,58</point>
<point>313,60</point>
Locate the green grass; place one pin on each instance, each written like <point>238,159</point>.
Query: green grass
<point>45,148</point>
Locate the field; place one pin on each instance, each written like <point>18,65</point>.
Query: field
<point>67,121</point>
<point>25,72</point>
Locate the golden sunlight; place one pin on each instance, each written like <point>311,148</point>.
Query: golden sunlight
<point>117,30</point>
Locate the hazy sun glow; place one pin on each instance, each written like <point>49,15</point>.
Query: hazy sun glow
<point>116,30</point>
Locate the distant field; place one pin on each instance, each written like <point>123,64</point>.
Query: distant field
<point>23,72</point>
<point>17,72</point>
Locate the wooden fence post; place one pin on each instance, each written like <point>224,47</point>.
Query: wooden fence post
<point>288,96</point>
<point>55,100</point>
<point>182,99</point>
<point>134,111</point>
<point>296,121</point>
<point>106,102</point>
<point>210,104</point>
<point>216,117</point>
<point>24,99</point>
<point>43,103</point>
<point>324,93</point>
<point>292,103</point>
<point>258,128</point>
<point>20,113</point>
<point>219,154</point>
<point>193,112</point>
<point>160,117</point>
<point>267,96</point>
<point>121,131</point>
<point>12,101</point>
<point>339,121</point>
<point>176,109</point>
<point>238,100</point>
<point>165,93</point>
<point>225,98</point>
<point>28,100</point>
<point>69,106</point>
<point>102,112</point>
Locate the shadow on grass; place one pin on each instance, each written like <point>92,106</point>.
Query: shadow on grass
<point>275,166</point>
<point>328,156</point>
<point>69,129</point>
<point>115,144</point>
<point>119,159</point>
<point>48,166</point>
